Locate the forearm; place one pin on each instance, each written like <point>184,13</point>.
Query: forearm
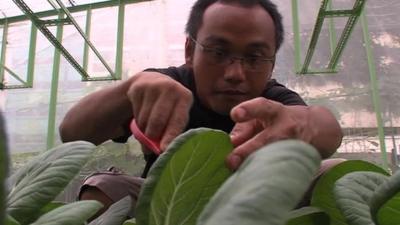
<point>327,133</point>
<point>98,116</point>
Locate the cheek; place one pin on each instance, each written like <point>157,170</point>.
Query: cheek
<point>205,83</point>
<point>258,85</point>
<point>206,76</point>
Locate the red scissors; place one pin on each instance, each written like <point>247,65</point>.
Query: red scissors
<point>153,145</point>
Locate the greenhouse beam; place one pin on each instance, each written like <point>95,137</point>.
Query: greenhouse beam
<point>53,40</point>
<point>375,90</point>
<point>324,13</point>
<point>31,56</point>
<point>72,9</point>
<point>31,60</point>
<point>89,43</point>
<point>296,35</point>
<point>51,126</point>
<point>88,34</point>
<point>3,54</point>
<point>332,33</point>
<point>120,41</point>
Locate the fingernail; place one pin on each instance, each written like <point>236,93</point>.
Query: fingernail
<point>240,112</point>
<point>235,161</point>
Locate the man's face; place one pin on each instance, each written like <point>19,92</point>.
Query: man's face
<point>231,30</point>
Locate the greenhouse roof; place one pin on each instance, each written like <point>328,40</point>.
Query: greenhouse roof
<point>9,8</point>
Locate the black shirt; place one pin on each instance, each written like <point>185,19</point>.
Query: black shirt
<point>200,116</point>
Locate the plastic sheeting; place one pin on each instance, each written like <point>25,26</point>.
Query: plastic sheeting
<point>154,37</point>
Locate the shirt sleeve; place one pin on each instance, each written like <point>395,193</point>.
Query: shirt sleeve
<point>278,92</point>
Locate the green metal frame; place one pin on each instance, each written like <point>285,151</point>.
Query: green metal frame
<point>3,53</point>
<point>32,56</point>
<point>87,33</point>
<point>120,41</point>
<point>64,18</point>
<point>31,62</point>
<point>375,90</point>
<point>51,125</point>
<point>89,43</point>
<point>42,25</point>
<point>73,9</point>
<point>325,12</point>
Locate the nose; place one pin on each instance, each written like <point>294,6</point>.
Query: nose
<point>234,71</point>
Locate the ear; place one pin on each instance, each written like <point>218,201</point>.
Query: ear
<point>271,71</point>
<point>189,52</point>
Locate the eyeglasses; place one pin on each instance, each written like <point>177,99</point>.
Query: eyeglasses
<point>224,58</point>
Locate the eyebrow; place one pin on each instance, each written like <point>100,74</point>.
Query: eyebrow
<point>222,41</point>
<point>216,40</point>
<point>260,45</point>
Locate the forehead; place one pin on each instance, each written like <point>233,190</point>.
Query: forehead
<point>238,25</point>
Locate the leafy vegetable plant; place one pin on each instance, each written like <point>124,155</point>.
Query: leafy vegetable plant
<point>184,178</point>
<point>265,189</point>
<point>34,186</point>
<point>3,170</point>
<point>189,184</point>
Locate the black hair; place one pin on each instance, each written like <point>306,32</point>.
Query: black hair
<point>196,16</point>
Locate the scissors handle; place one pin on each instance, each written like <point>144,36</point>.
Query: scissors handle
<point>154,146</point>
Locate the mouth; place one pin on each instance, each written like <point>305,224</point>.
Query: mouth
<point>231,92</point>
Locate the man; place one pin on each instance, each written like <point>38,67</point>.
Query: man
<point>225,84</point>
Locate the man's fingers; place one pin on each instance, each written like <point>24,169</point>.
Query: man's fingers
<point>258,108</point>
<point>242,132</point>
<point>158,117</point>
<point>177,122</point>
<point>240,153</point>
<point>136,98</point>
<point>173,129</point>
<point>159,104</point>
<point>267,136</point>
<point>148,102</point>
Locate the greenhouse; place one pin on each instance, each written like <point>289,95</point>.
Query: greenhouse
<point>339,54</point>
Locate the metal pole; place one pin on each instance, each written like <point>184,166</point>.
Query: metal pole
<point>32,54</point>
<point>87,33</point>
<point>296,35</point>
<point>374,89</point>
<point>332,32</point>
<point>120,41</point>
<point>395,160</point>
<point>3,53</point>
<point>80,31</point>
<point>54,87</point>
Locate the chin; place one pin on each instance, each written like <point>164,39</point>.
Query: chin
<point>223,108</point>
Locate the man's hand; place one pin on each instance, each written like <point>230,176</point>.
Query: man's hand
<point>160,106</point>
<point>260,121</point>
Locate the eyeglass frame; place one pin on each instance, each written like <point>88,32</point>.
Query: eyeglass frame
<point>230,58</point>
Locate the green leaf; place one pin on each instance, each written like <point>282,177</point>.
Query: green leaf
<point>45,178</point>
<point>308,216</point>
<point>49,207</point>
<point>384,193</point>
<point>323,196</point>
<point>267,186</point>
<point>4,160</point>
<point>11,221</point>
<point>71,214</point>
<point>130,222</point>
<point>353,193</point>
<point>116,214</point>
<point>389,213</point>
<point>184,178</point>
